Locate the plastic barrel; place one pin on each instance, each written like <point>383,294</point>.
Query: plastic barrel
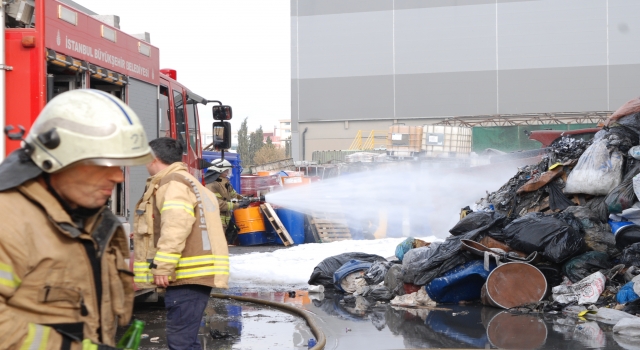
<point>293,221</point>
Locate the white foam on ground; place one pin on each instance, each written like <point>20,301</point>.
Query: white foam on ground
<point>293,266</point>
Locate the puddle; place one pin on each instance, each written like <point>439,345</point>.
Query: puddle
<point>230,324</point>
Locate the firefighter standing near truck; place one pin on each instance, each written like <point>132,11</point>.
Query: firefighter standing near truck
<point>63,279</point>
<point>179,243</point>
<point>217,181</point>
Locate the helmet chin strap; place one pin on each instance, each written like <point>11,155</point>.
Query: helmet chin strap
<point>79,214</point>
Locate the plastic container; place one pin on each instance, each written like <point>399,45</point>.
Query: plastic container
<point>293,181</point>
<point>253,238</point>
<point>446,141</point>
<point>293,221</point>
<point>348,268</point>
<point>462,283</point>
<point>404,140</point>
<point>234,159</point>
<point>249,220</point>
<point>617,225</point>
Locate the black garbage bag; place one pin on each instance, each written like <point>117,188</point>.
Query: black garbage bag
<point>631,255</point>
<point>437,259</point>
<point>622,196</point>
<point>471,222</point>
<point>557,199</point>
<point>323,273</point>
<point>393,280</point>
<point>597,235</point>
<point>376,272</point>
<point>378,293</point>
<point>552,273</point>
<point>585,264</point>
<point>598,206</point>
<point>536,232</point>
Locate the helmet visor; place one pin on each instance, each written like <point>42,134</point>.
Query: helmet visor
<point>142,160</point>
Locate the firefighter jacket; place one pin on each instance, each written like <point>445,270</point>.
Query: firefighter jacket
<point>178,232</point>
<point>225,193</point>
<point>48,279</point>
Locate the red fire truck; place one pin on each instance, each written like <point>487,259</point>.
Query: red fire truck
<point>52,47</point>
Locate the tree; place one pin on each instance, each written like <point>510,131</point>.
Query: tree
<point>287,147</point>
<point>269,142</point>
<point>256,141</point>
<point>267,154</point>
<point>243,142</point>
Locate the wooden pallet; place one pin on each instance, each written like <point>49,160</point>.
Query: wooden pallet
<point>274,220</point>
<point>327,228</point>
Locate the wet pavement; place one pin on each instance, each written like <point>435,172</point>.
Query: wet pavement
<point>230,324</point>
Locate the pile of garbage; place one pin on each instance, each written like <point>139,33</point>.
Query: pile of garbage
<point>563,234</point>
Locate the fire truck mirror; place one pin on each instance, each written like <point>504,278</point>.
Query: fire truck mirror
<point>221,136</point>
<point>203,164</point>
<point>222,112</point>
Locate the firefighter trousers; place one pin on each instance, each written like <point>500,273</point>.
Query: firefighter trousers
<point>185,306</point>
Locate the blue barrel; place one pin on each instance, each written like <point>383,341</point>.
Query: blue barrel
<point>463,282</point>
<point>617,225</point>
<point>234,159</point>
<point>348,268</point>
<point>293,221</point>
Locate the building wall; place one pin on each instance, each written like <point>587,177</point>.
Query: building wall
<point>375,60</point>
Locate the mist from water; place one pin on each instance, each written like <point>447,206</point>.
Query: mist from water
<point>417,199</point>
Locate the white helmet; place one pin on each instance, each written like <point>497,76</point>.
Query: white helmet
<point>221,166</point>
<point>90,126</point>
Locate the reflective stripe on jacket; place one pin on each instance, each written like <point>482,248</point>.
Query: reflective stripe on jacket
<point>46,278</point>
<point>224,193</point>
<point>178,232</point>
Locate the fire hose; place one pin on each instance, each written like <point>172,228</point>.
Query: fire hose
<point>321,340</point>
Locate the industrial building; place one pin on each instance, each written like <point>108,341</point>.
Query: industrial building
<point>367,64</point>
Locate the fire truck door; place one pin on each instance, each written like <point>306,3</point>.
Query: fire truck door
<point>182,132</point>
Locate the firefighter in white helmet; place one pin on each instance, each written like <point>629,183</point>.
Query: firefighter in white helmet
<point>217,181</point>
<point>64,282</point>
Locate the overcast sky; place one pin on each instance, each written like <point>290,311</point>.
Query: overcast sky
<point>236,51</point>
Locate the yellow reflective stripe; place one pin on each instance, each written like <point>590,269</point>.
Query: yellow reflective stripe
<point>167,257</point>
<point>204,260</point>
<point>188,207</point>
<point>7,277</point>
<point>37,337</point>
<point>202,271</point>
<point>230,206</point>
<point>218,195</point>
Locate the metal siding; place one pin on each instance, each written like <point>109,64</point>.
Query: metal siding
<point>445,39</point>
<point>294,105</point>
<point>143,99</point>
<point>552,33</point>
<point>624,81</point>
<point>569,89</point>
<point>346,98</point>
<point>357,44</point>
<point>624,33</point>
<point>326,7</point>
<point>445,94</point>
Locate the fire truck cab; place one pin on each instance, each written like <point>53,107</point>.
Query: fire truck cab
<point>53,47</point>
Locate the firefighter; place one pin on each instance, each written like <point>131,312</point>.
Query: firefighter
<point>64,282</point>
<point>179,243</point>
<point>217,181</point>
